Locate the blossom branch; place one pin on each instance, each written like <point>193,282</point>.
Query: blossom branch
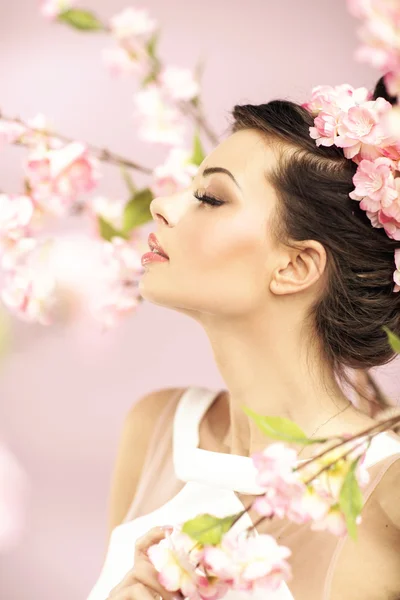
<point>370,432</point>
<point>103,154</point>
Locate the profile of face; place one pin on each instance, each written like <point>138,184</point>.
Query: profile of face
<point>224,260</point>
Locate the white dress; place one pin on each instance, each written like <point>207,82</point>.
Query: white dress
<point>211,480</point>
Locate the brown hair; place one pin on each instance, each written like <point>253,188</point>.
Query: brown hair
<point>313,185</point>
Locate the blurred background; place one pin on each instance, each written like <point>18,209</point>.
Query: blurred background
<point>65,389</point>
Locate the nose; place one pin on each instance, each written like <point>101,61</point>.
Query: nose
<point>169,209</point>
<point>156,210</point>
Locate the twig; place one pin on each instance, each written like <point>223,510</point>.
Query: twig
<point>103,154</point>
<point>388,424</point>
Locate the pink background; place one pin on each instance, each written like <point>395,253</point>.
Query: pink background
<point>65,390</point>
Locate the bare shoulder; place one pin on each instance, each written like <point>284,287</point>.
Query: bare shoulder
<point>134,440</point>
<point>378,542</point>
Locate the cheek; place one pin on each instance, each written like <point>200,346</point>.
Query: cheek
<point>225,244</point>
<point>230,259</point>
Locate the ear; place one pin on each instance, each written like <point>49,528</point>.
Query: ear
<point>299,268</point>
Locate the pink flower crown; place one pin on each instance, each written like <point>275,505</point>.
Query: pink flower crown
<point>349,118</point>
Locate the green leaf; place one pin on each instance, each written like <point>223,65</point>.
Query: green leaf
<point>280,428</point>
<point>137,211</point>
<point>128,180</point>
<point>198,154</point>
<point>81,19</point>
<point>351,499</point>
<point>208,529</point>
<point>148,79</point>
<point>107,231</point>
<point>151,45</point>
<point>393,339</point>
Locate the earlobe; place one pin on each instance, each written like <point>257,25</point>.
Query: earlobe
<point>303,268</point>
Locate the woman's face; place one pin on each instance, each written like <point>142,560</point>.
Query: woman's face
<point>220,257</point>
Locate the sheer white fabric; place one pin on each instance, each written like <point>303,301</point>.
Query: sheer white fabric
<point>196,481</point>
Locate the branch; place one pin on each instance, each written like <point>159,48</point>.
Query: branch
<point>103,154</point>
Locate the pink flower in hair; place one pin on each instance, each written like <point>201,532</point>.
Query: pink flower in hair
<point>375,184</point>
<point>323,97</point>
<point>360,129</point>
<point>390,224</point>
<point>326,127</point>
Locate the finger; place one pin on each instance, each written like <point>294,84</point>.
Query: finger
<point>127,581</point>
<point>156,534</point>
<point>146,574</point>
<point>137,591</point>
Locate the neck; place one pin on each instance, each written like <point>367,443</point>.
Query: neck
<point>271,367</point>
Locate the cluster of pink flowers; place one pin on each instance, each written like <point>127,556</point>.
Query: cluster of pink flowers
<point>350,119</point>
<point>59,174</point>
<point>380,37</point>
<point>240,562</point>
<point>245,560</point>
<point>288,495</point>
<point>34,286</point>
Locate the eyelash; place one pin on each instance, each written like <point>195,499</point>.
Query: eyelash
<point>208,199</point>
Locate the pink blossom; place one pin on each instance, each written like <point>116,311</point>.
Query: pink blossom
<point>275,466</point>
<point>179,83</point>
<point>390,224</point>
<point>360,127</point>
<point>10,131</point>
<point>30,290</point>
<point>248,562</point>
<point>379,33</point>
<point>332,105</point>
<point>19,253</point>
<point>276,460</point>
<point>120,62</point>
<point>121,260</point>
<point>175,174</point>
<point>375,184</point>
<point>342,97</point>
<point>132,23</point>
<point>57,176</point>
<point>176,559</point>
<point>52,8</point>
<point>311,505</point>
<point>334,522</point>
<point>325,128</point>
<point>160,122</point>
<point>37,134</point>
<point>388,216</point>
<point>120,271</point>
<point>31,295</point>
<point>16,212</point>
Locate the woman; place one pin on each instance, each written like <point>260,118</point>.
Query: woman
<point>292,285</point>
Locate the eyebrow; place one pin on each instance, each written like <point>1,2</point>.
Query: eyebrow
<point>211,170</point>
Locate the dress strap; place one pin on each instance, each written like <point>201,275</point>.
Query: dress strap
<point>191,463</point>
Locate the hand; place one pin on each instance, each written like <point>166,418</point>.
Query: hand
<point>141,583</point>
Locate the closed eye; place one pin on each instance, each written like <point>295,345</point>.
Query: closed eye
<point>208,199</point>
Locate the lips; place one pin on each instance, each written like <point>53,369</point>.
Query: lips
<point>154,244</point>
